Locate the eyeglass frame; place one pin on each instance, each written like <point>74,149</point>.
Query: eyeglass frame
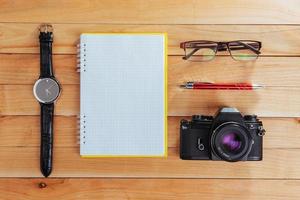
<point>221,46</point>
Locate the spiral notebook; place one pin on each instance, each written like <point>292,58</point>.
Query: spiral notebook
<point>123,97</point>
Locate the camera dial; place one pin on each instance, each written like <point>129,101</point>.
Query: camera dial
<point>250,118</point>
<point>201,118</point>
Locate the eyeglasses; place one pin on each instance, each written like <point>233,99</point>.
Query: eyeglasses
<point>202,50</point>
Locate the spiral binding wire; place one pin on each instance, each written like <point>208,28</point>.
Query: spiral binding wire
<point>81,64</point>
<point>81,57</point>
<point>82,128</point>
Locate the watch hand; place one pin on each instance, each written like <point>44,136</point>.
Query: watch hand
<point>50,87</point>
<point>48,92</point>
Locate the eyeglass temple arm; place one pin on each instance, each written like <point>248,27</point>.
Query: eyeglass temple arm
<point>190,54</point>
<point>246,46</point>
<point>251,47</point>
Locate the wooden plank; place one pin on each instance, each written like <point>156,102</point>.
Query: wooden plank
<point>24,131</point>
<point>276,39</point>
<point>281,132</point>
<point>25,68</point>
<point>268,102</point>
<point>19,145</point>
<point>19,100</point>
<point>151,189</point>
<point>269,71</point>
<point>153,12</point>
<point>24,162</point>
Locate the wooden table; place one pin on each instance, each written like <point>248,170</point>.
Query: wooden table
<point>276,23</point>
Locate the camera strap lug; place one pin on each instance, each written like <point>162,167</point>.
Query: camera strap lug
<point>200,145</point>
<point>261,131</point>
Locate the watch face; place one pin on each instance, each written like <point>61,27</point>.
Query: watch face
<point>46,90</point>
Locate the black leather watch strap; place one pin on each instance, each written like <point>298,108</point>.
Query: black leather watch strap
<point>46,39</point>
<point>47,111</point>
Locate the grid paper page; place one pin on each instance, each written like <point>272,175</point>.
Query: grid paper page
<point>122,95</point>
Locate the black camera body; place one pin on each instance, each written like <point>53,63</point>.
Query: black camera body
<point>228,136</point>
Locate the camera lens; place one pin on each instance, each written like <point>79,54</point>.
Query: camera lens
<point>231,141</point>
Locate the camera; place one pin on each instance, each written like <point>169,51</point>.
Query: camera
<point>228,136</point>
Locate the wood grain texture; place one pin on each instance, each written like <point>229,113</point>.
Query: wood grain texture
<point>24,131</point>
<point>281,132</point>
<point>24,162</point>
<point>280,95</point>
<point>19,100</point>
<point>267,102</point>
<point>274,22</point>
<point>152,189</point>
<point>269,71</point>
<point>24,69</point>
<point>276,39</point>
<point>154,11</point>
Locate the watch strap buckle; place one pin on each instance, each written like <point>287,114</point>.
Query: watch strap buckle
<point>46,33</point>
<point>46,28</point>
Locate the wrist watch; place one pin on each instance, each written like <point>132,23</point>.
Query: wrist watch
<point>46,90</point>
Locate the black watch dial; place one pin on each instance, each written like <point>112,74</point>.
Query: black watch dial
<point>46,90</point>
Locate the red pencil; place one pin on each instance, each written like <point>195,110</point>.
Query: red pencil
<point>221,86</point>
